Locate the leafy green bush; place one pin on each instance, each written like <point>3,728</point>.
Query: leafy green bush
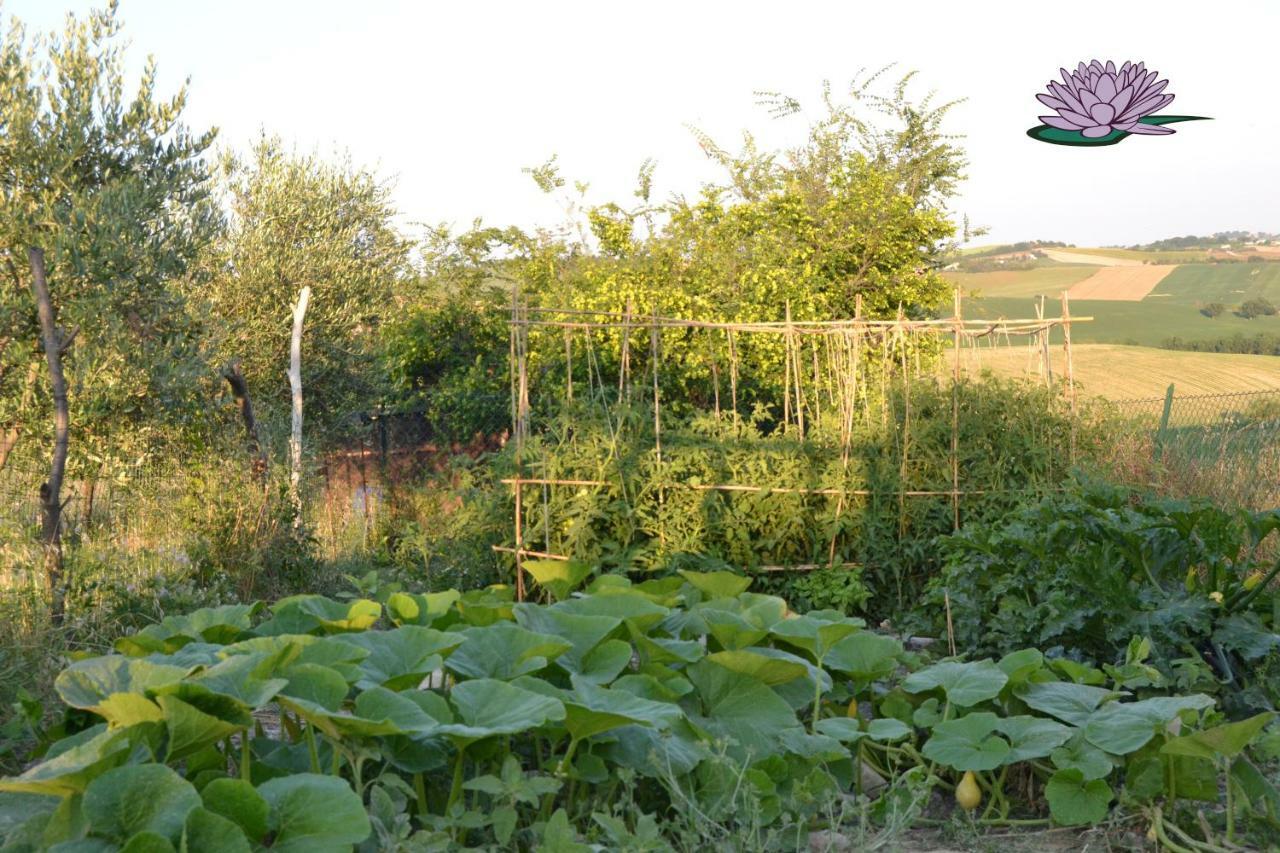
<point>1083,572</point>
<point>682,712</point>
<point>1257,307</point>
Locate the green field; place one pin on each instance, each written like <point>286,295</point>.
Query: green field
<point>1171,310</point>
<point>1002,283</point>
<point>1173,256</point>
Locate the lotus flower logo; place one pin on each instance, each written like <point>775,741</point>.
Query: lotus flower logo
<point>1099,104</point>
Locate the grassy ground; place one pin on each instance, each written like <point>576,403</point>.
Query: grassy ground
<point>1146,372</point>
<point>1049,281</point>
<point>1172,256</point>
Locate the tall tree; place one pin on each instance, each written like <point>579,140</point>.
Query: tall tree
<point>299,221</point>
<point>104,203</point>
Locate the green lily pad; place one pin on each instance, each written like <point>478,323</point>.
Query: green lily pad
<point>1075,801</point>
<point>1058,136</point>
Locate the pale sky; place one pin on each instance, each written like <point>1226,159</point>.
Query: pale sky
<point>452,99</point>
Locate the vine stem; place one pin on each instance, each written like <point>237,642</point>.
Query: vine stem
<point>245,755</point>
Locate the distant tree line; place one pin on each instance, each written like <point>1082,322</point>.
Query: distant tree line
<point>1262,343</point>
<point>1192,241</point>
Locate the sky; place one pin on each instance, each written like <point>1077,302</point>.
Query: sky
<point>451,100</point>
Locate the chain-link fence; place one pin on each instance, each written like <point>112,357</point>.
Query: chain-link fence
<point>1224,446</point>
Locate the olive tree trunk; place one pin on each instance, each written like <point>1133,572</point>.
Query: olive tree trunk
<point>295,385</point>
<point>240,390</point>
<point>55,345</point>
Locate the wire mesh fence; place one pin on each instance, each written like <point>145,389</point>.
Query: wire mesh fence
<point>1225,446</point>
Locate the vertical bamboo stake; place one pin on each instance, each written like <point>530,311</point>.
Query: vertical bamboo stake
<point>715,375</point>
<point>733,372</point>
<point>786,386</point>
<point>295,386</point>
<point>1071,376</point>
<point>657,427</point>
<point>518,407</point>
<point>624,373</point>
<point>568,371</point>
<point>955,418</point>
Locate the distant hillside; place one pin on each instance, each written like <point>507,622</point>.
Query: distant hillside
<point>1212,241</point>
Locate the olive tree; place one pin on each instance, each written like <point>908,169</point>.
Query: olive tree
<point>104,203</point>
<point>298,221</point>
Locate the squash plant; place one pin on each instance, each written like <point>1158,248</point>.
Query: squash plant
<point>463,720</point>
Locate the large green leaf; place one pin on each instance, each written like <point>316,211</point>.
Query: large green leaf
<point>504,650</point>
<point>411,608</point>
<point>592,710</point>
<point>194,725</point>
<point>72,769</point>
<point>769,669</point>
<point>401,658</point>
<point>1122,728</point>
<point>314,814</point>
<point>591,655</point>
<point>1071,703</point>
<point>815,633</point>
<point>205,830</point>
<point>239,802</point>
<point>97,684</point>
<point>489,707</point>
<point>1032,737</point>
<point>247,678</point>
<point>968,743</point>
<point>305,614</point>
<point>635,609</point>
<point>965,684</point>
<point>216,625</point>
<point>1021,665</point>
<point>864,656</point>
<point>740,707</point>
<point>139,798</point>
<point>1224,741</point>
<point>1075,801</point>
<point>1077,753</point>
<point>717,584</point>
<point>558,577</point>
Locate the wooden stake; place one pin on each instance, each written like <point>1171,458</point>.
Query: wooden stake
<point>295,385</point>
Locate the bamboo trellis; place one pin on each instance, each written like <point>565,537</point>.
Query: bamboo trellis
<point>833,354</point>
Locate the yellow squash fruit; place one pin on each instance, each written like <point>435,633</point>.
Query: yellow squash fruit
<point>1253,580</point>
<point>968,794</point>
<point>852,711</point>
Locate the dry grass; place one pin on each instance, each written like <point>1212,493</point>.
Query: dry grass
<point>1121,283</point>
<point>1123,372</point>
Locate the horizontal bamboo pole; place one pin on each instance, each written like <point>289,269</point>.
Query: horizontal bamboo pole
<point>801,567</point>
<point>733,487</point>
<point>813,327</point>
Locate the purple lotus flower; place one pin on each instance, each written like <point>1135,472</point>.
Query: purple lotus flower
<point>1096,99</point>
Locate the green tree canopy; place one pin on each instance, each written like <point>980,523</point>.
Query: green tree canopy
<point>296,221</point>
<point>115,189</point>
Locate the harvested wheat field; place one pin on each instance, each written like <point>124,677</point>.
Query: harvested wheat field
<point>1085,258</point>
<point>1121,283</point>
<point>1124,372</point>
